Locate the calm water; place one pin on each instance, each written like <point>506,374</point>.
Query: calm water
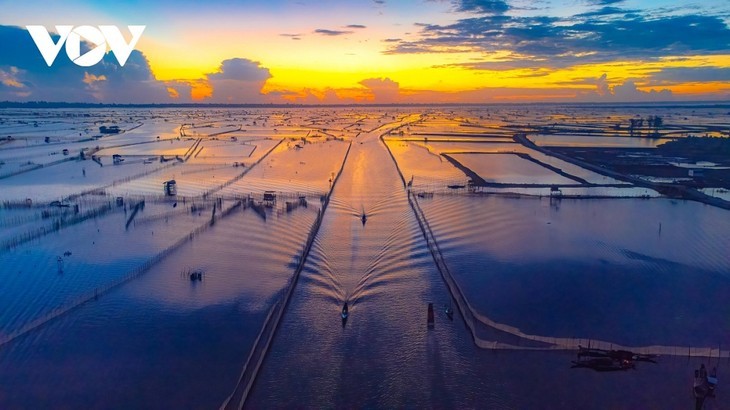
<point>160,341</point>
<point>635,272</point>
<point>638,272</point>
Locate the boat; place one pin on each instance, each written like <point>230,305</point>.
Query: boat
<point>604,364</point>
<point>616,354</point>
<point>430,316</point>
<point>195,275</point>
<point>704,384</point>
<point>712,382</point>
<point>345,313</point>
<point>364,218</point>
<point>449,312</point>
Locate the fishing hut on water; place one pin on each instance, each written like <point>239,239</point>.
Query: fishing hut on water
<point>170,187</point>
<point>269,198</point>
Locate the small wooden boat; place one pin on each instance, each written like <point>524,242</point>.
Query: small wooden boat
<point>195,275</point>
<point>712,382</point>
<point>604,364</point>
<point>616,354</point>
<point>449,312</point>
<point>430,316</point>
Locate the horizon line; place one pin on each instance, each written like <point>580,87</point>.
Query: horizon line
<point>66,104</point>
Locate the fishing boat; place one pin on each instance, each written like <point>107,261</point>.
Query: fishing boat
<point>430,316</point>
<point>616,354</point>
<point>345,313</point>
<point>704,384</point>
<point>449,311</point>
<point>364,218</point>
<point>604,364</point>
<point>712,382</point>
<point>196,275</point>
<point>602,360</point>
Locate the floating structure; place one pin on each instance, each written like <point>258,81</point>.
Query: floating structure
<point>117,159</point>
<point>292,205</point>
<point>114,129</point>
<point>170,187</point>
<point>269,198</point>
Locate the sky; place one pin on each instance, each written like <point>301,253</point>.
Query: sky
<point>379,51</point>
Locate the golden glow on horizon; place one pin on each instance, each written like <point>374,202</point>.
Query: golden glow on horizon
<point>317,63</point>
<point>700,88</point>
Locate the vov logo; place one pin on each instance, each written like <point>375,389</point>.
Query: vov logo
<point>100,37</point>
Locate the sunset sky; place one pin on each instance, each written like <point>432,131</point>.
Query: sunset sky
<point>380,51</point>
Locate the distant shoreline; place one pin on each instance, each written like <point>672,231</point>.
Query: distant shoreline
<point>665,104</point>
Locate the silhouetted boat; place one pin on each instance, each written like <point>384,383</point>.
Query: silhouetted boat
<point>704,385</point>
<point>449,312</point>
<point>195,275</point>
<point>430,316</point>
<point>364,218</point>
<point>712,381</point>
<point>604,364</point>
<point>616,354</point>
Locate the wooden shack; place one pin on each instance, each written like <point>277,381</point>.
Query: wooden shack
<point>170,187</point>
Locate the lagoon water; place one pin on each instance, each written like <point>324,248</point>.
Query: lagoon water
<point>117,322</point>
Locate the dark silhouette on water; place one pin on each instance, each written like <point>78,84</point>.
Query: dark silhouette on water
<point>430,316</point>
<point>704,385</point>
<point>449,311</point>
<point>604,364</point>
<point>345,313</point>
<point>615,354</point>
<point>602,360</point>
